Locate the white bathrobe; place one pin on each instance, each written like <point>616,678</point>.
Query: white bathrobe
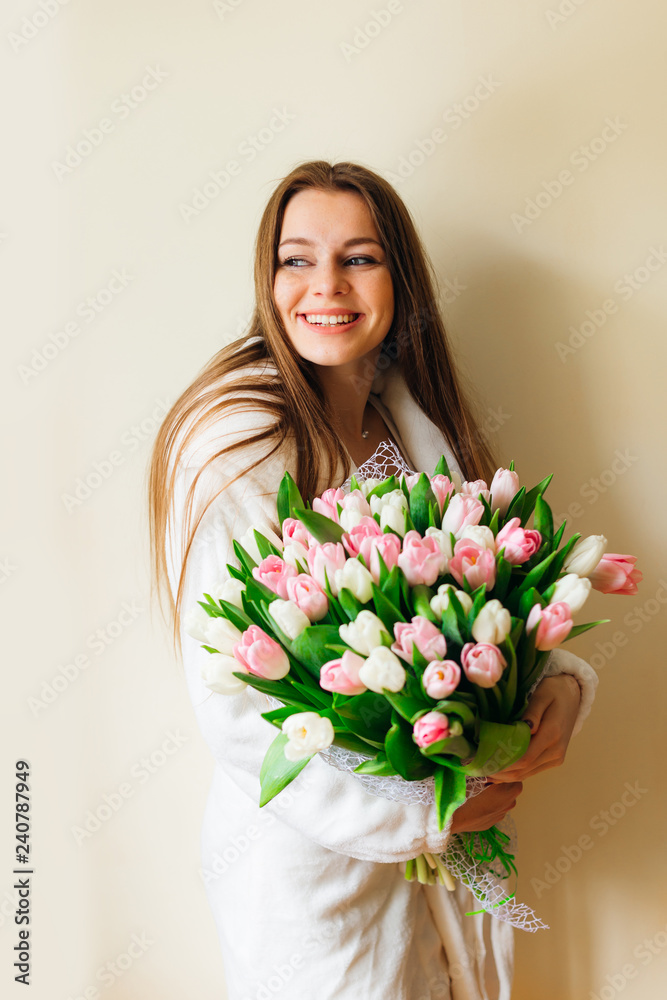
<point>307,892</point>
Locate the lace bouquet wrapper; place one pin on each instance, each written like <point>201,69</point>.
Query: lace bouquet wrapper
<point>398,626</point>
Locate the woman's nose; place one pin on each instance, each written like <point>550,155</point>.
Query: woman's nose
<point>328,279</point>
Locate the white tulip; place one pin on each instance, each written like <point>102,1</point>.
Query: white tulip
<point>307,732</point>
<point>366,485</point>
<point>444,544</point>
<point>356,578</point>
<point>573,590</point>
<point>349,519</point>
<point>231,591</point>
<point>247,540</point>
<point>383,669</point>
<point>395,498</point>
<point>365,633</point>
<point>295,552</point>
<point>480,534</point>
<point>393,517</point>
<point>289,618</point>
<point>585,555</point>
<point>222,635</point>
<point>492,624</point>
<point>196,622</point>
<point>440,601</point>
<point>218,674</point>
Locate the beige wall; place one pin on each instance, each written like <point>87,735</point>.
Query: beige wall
<point>517,288</point>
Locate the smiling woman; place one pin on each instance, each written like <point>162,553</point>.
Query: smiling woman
<point>346,351</point>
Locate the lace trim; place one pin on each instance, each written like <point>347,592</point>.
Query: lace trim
<point>385,458</point>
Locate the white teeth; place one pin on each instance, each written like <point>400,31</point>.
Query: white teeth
<point>324,320</point>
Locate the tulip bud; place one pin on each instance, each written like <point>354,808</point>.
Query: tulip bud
<point>381,670</point>
<point>365,633</point>
<point>307,733</point>
<point>504,486</point>
<point>218,670</point>
<point>288,617</point>
<point>356,578</point>
<point>493,623</point>
<point>573,590</point>
<point>585,555</point>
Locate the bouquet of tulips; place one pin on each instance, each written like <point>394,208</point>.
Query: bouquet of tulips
<point>406,620</point>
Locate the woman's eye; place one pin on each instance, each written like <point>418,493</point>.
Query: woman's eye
<point>301,261</point>
<point>364,260</point>
<point>292,262</point>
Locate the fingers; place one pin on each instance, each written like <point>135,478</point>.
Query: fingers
<point>487,808</point>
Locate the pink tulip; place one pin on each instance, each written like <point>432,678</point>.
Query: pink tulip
<point>274,573</point>
<point>430,728</point>
<point>367,527</point>
<point>463,510</point>
<point>472,562</point>
<point>553,624</point>
<point>474,487</point>
<point>616,574</point>
<point>443,487</point>
<point>294,531</point>
<point>483,663</point>
<point>326,504</point>
<point>388,545</point>
<point>327,559</point>
<point>308,596</point>
<point>520,544</point>
<point>421,559</point>
<point>423,634</point>
<point>504,486</point>
<point>261,654</point>
<point>441,678</point>
<point>411,481</point>
<point>342,675</point>
<point>355,500</point>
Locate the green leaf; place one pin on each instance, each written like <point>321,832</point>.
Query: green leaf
<point>450,793</point>
<point>264,546</point>
<point>458,746</point>
<point>404,754</point>
<point>323,528</point>
<point>408,708</point>
<point>392,587</point>
<point>449,706</point>
<point>349,603</point>
<point>578,629</point>
<point>544,522</point>
<point>288,498</point>
<point>244,557</point>
<point>310,647</point>
<point>233,614</point>
<point>277,771</point>
<point>282,690</point>
<point>278,715</point>
<point>442,469</point>
<point>510,677</point>
<point>516,506</point>
<point>386,486</point>
<point>386,611</point>
<point>421,598</point>
<point>503,576</point>
<point>421,496</point>
<point>450,624</point>
<point>500,745</point>
<point>379,765</point>
<point>530,498</point>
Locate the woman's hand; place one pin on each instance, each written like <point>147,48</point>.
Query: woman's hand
<point>487,808</point>
<point>551,714</point>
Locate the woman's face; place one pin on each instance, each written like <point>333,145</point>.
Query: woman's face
<point>331,264</point>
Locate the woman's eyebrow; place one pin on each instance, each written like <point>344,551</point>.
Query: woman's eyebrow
<point>348,243</point>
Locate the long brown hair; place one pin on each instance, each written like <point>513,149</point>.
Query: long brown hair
<point>416,341</point>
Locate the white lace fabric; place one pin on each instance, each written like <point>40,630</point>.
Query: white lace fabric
<point>380,465</point>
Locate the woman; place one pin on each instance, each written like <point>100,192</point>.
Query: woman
<point>346,353</point>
